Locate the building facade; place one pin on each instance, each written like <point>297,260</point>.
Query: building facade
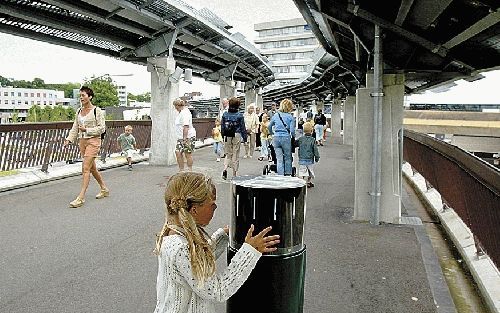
<point>20,100</point>
<point>122,95</point>
<point>289,46</point>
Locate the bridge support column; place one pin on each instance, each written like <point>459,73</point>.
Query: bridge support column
<point>336,120</point>
<point>227,90</point>
<point>163,92</point>
<point>260,101</point>
<point>349,120</point>
<point>250,97</point>
<point>392,117</point>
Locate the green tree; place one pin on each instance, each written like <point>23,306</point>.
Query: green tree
<point>38,83</point>
<point>15,117</point>
<point>4,81</point>
<point>105,93</point>
<point>66,87</point>
<point>145,97</point>
<point>34,113</point>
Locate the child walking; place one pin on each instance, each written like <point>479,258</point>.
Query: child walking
<point>217,136</point>
<point>265,138</point>
<point>308,154</point>
<point>127,144</point>
<point>187,281</point>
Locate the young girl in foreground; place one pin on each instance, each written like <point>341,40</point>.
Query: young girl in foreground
<point>187,281</point>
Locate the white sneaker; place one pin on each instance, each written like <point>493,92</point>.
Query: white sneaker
<point>245,156</point>
<point>218,159</point>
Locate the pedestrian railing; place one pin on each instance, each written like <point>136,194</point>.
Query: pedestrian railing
<point>466,183</point>
<point>40,144</point>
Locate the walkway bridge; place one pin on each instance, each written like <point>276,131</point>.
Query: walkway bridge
<point>424,43</point>
<point>98,257</point>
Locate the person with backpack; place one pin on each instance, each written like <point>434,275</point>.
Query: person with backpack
<point>234,133</point>
<point>88,128</point>
<point>319,125</point>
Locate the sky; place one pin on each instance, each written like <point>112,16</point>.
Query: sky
<point>22,58</point>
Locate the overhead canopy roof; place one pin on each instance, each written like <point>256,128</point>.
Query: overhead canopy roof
<point>432,42</point>
<point>323,80</point>
<point>133,30</point>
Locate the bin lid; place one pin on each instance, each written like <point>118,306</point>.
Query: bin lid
<point>268,181</point>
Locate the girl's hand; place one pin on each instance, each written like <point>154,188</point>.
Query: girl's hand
<point>261,242</point>
<point>226,229</point>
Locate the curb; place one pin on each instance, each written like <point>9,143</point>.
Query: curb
<point>483,270</point>
<point>34,176</point>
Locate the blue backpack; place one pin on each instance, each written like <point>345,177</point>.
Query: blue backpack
<point>229,126</point>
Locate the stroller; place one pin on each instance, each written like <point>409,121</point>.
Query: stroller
<point>268,168</point>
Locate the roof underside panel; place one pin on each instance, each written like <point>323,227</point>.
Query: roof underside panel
<point>434,42</point>
<point>134,30</point>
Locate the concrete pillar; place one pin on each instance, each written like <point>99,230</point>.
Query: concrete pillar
<point>336,120</point>
<point>227,90</point>
<point>260,101</point>
<point>163,93</point>
<point>250,97</point>
<point>349,104</point>
<point>392,117</point>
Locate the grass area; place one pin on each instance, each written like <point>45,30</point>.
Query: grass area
<point>8,173</point>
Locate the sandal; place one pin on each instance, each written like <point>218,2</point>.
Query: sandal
<point>102,193</point>
<point>78,202</point>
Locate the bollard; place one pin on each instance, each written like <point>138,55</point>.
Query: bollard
<point>276,285</point>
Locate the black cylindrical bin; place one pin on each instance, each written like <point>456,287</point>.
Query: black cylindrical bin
<point>276,285</point>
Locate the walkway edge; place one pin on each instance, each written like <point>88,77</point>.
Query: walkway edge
<point>484,271</point>
<point>35,176</point>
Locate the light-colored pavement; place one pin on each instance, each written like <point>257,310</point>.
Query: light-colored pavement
<point>98,258</point>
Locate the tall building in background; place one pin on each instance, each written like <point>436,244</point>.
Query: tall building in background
<point>289,46</point>
<point>122,95</point>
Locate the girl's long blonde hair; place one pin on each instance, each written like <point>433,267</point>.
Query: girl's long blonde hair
<point>182,192</point>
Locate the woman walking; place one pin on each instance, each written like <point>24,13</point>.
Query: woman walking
<point>282,127</point>
<point>87,128</point>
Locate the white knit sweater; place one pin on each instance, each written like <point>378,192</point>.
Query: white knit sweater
<point>176,288</point>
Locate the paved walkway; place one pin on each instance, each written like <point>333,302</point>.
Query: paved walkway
<point>98,258</point>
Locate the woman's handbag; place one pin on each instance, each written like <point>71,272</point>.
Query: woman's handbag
<point>292,138</point>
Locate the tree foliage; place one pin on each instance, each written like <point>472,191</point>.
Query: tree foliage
<point>145,97</point>
<point>50,114</point>
<point>105,92</point>
<point>66,87</point>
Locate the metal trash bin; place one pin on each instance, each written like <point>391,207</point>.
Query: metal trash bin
<point>277,283</point>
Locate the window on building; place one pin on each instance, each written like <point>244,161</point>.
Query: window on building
<point>32,95</point>
<point>18,94</point>
<point>25,94</point>
<point>26,102</point>
<point>38,103</point>
<point>38,95</point>
<point>32,102</point>
<point>44,95</point>
<point>5,94</point>
<point>6,102</point>
<point>13,102</point>
<point>12,93</point>
<point>19,102</point>
<point>45,103</point>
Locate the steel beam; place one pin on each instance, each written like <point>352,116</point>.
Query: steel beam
<point>50,22</point>
<point>404,8</point>
<point>481,25</point>
<point>71,6</point>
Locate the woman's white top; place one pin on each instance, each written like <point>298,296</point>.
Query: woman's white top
<point>176,289</point>
<point>184,118</point>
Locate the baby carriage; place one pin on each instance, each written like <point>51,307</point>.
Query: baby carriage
<point>273,167</point>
